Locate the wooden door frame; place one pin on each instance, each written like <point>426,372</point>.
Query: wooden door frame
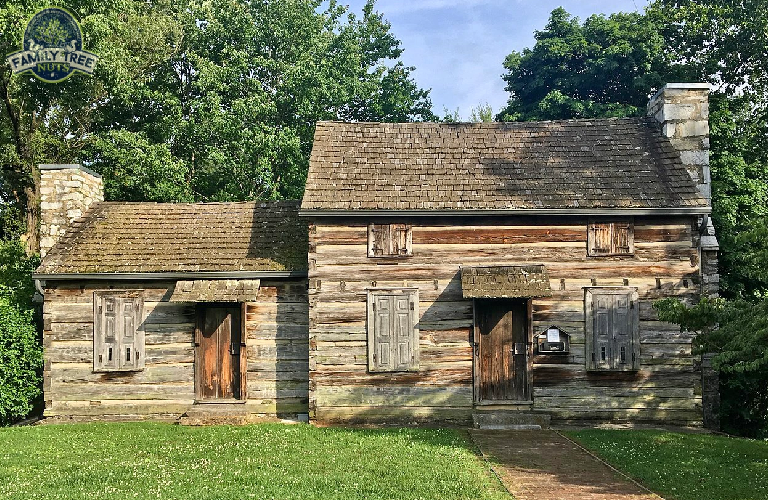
<point>476,352</point>
<point>200,308</point>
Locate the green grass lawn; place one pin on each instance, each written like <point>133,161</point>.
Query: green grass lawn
<point>685,466</point>
<point>154,460</point>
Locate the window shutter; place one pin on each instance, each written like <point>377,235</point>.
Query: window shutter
<point>389,240</point>
<point>132,341</point>
<point>612,340</point>
<point>383,340</point>
<point>118,340</point>
<point>403,333</point>
<point>392,333</point>
<point>600,239</point>
<point>106,347</point>
<point>401,239</point>
<point>378,234</point>
<point>623,240</point>
<point>601,354</point>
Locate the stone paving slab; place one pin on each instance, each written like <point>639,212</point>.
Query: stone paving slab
<point>543,465</point>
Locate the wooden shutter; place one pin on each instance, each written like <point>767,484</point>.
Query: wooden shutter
<point>400,239</point>
<point>403,332</point>
<point>601,353</point>
<point>610,238</point>
<point>622,238</point>
<point>118,340</point>
<point>106,345</point>
<point>389,240</point>
<point>625,356</point>
<point>599,239</point>
<point>392,333</point>
<point>378,236</point>
<point>383,340</point>
<point>612,329</point>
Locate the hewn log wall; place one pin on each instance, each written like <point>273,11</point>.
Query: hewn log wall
<point>665,263</point>
<point>277,354</point>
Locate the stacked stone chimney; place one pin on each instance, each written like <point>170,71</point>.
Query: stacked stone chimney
<point>682,109</point>
<point>66,192</point>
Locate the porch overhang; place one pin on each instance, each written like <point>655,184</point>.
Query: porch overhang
<point>505,282</point>
<point>215,291</point>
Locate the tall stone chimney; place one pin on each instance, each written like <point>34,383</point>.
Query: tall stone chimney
<point>66,192</point>
<point>682,109</point>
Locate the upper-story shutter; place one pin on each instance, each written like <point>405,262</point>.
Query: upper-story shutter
<point>623,239</point>
<point>377,239</point>
<point>600,239</point>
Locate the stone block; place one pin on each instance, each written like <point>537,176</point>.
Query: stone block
<point>50,205</point>
<point>695,157</point>
<point>73,196</point>
<point>692,128</point>
<point>679,112</point>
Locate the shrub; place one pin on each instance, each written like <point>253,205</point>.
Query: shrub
<point>737,332</point>
<point>21,362</point>
<point>20,349</point>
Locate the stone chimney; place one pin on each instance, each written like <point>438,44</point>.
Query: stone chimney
<point>682,109</point>
<point>66,192</point>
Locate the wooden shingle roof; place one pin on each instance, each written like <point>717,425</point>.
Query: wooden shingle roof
<point>123,237</point>
<point>572,164</point>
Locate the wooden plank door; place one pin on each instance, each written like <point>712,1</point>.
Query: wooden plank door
<point>218,353</point>
<point>503,356</point>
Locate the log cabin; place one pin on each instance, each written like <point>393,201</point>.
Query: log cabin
<point>503,274</point>
<point>171,311</point>
<point>495,274</point>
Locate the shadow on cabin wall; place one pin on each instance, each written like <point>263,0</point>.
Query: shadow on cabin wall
<point>441,389</point>
<point>291,368</point>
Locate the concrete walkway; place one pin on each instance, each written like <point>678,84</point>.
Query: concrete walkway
<point>542,465</point>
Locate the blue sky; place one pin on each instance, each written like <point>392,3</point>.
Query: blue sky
<point>458,46</point>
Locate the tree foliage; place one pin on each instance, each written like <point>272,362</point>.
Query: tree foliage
<point>610,66</point>
<point>737,332</point>
<point>21,355</point>
<point>198,100</point>
<point>603,67</point>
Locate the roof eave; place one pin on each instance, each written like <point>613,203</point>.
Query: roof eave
<point>698,210</point>
<point>170,276</point>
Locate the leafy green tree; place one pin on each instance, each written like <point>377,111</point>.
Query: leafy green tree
<point>610,66</point>
<point>20,349</point>
<point>198,100</point>
<point>737,333</point>
<point>604,67</point>
<point>482,113</point>
<point>725,43</point>
<point>53,123</point>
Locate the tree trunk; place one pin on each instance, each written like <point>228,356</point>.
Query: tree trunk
<point>32,214</point>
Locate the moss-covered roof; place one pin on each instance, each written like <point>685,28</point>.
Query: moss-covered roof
<point>606,163</point>
<point>119,237</point>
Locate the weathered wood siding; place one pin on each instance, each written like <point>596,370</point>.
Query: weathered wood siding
<point>665,263</point>
<point>277,353</point>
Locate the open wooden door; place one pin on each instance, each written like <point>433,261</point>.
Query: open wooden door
<point>218,357</point>
<point>503,368</point>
